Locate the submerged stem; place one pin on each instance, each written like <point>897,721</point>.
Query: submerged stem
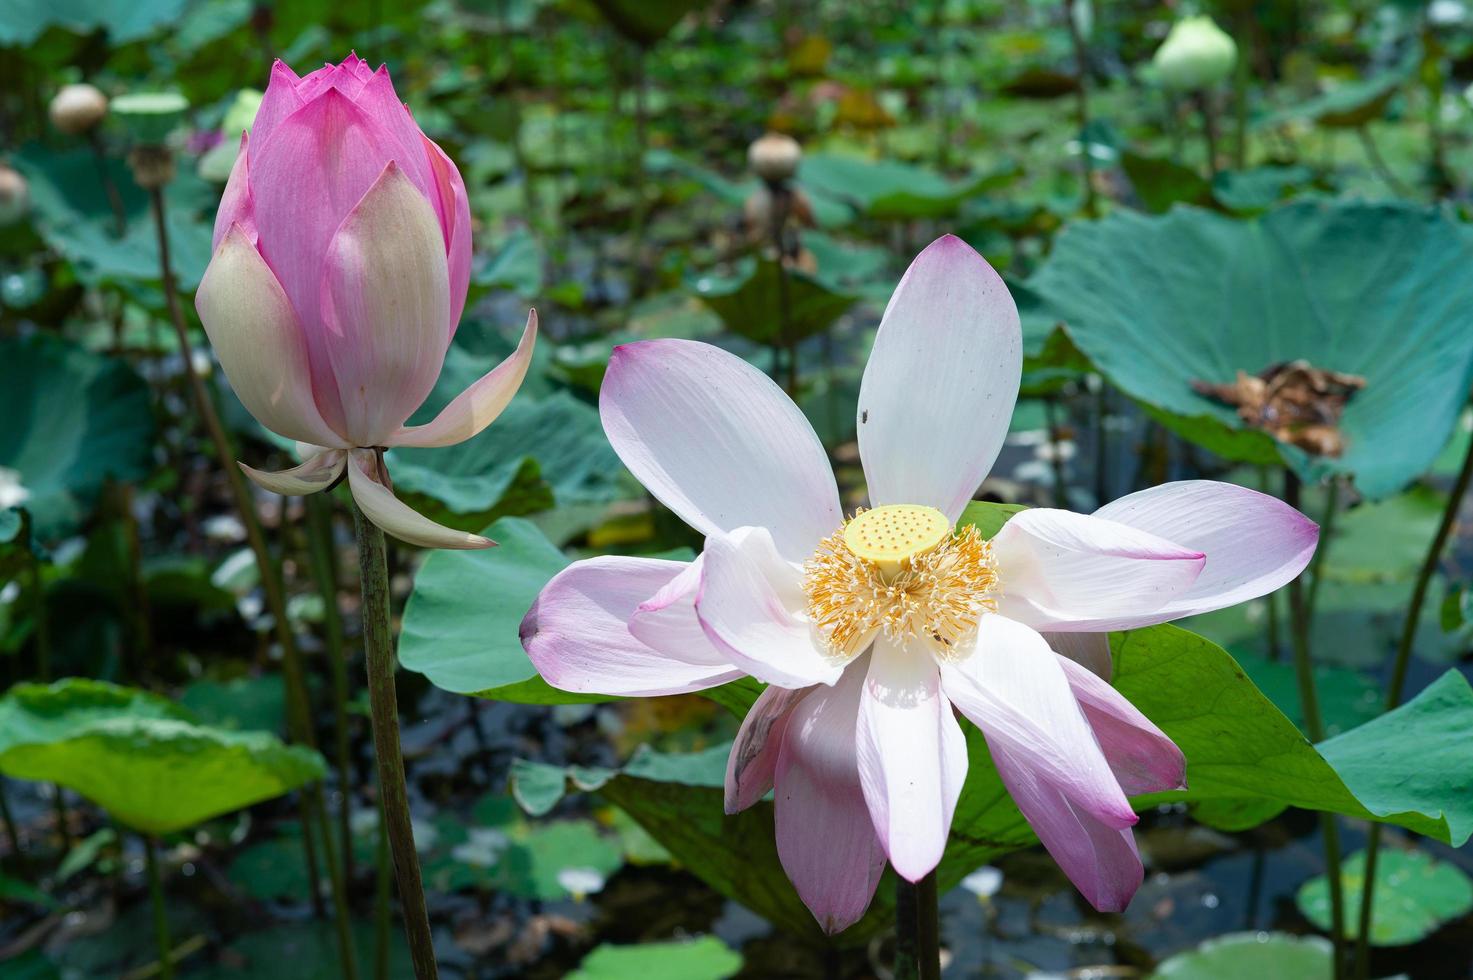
<point>1397,687</point>
<point>378,652</point>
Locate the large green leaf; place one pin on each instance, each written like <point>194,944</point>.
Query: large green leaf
<point>75,217</point>
<point>139,758</point>
<point>27,20</point>
<point>1369,289</point>
<point>891,188</point>
<point>73,420</point>
<point>1414,896</point>
<point>753,301</point>
<point>462,622</point>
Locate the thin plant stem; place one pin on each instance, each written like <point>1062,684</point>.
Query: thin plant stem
<point>12,833</point>
<point>1081,109</point>
<point>160,919</point>
<point>1056,459</point>
<point>928,928</point>
<point>1327,532</point>
<point>907,931</point>
<point>1397,687</point>
<point>109,186</point>
<point>325,572</point>
<point>1378,162</point>
<point>1208,108</point>
<point>1315,726</point>
<point>298,712</point>
<point>382,919</point>
<point>1241,76</point>
<point>378,652</point>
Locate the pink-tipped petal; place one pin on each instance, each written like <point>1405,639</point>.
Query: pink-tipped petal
<point>577,634</point>
<point>281,100</point>
<point>1254,543</point>
<point>751,606</point>
<point>1013,687</point>
<point>259,343</point>
<point>939,388</point>
<point>378,99</point>
<point>1100,859</point>
<point>315,168</point>
<point>718,442</point>
<point>236,205</point>
<point>1089,650</point>
<point>454,208</point>
<point>1068,572</point>
<point>386,306</point>
<point>753,761</point>
<point>912,757</point>
<point>1142,758</point>
<point>477,406</point>
<point>318,473</point>
<point>825,837</point>
<point>397,518</point>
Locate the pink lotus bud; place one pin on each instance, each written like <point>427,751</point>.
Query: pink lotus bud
<point>342,257</point>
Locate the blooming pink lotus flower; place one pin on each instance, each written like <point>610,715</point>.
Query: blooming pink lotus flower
<point>869,631</point>
<point>342,257</point>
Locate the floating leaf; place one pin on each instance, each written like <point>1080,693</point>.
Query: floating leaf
<point>706,958</point>
<point>27,20</point>
<point>1414,897</point>
<point>1251,956</point>
<point>892,189</point>
<point>756,304</point>
<point>310,949</point>
<point>74,420</point>
<point>1160,302</point>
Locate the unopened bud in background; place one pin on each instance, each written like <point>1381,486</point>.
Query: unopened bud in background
<point>1197,54</point>
<point>774,157</point>
<point>77,109</point>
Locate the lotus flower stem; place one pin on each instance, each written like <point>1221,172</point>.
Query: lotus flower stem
<point>917,934</point>
<point>1327,531</point>
<point>1315,727</point>
<point>1207,105</point>
<point>381,916</point>
<point>1397,686</point>
<point>109,186</point>
<point>324,570</point>
<point>12,835</point>
<point>1081,108</point>
<point>378,649</point>
<point>160,919</point>
<point>299,714</point>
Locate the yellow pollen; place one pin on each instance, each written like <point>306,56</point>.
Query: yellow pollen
<point>900,572</point>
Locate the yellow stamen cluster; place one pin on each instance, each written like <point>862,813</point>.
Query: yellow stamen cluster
<point>893,571</point>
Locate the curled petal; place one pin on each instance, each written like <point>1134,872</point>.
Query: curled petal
<point>317,473</point>
<point>1069,572</point>
<point>477,406</point>
<point>1098,857</point>
<point>1254,543</point>
<point>753,761</point>
<point>718,443</point>
<point>386,307</point>
<point>397,518</point>
<point>667,623</point>
<point>1014,688</point>
<point>1142,757</point>
<point>912,758</point>
<point>259,342</point>
<point>750,605</point>
<point>939,389</point>
<point>825,837</point>
<point>577,633</point>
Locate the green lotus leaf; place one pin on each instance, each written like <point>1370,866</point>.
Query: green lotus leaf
<point>1414,896</point>
<point>1251,956</point>
<point>755,303</point>
<point>138,757</point>
<point>27,20</point>
<point>1157,303</point>
<point>74,420</point>
<point>706,958</point>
